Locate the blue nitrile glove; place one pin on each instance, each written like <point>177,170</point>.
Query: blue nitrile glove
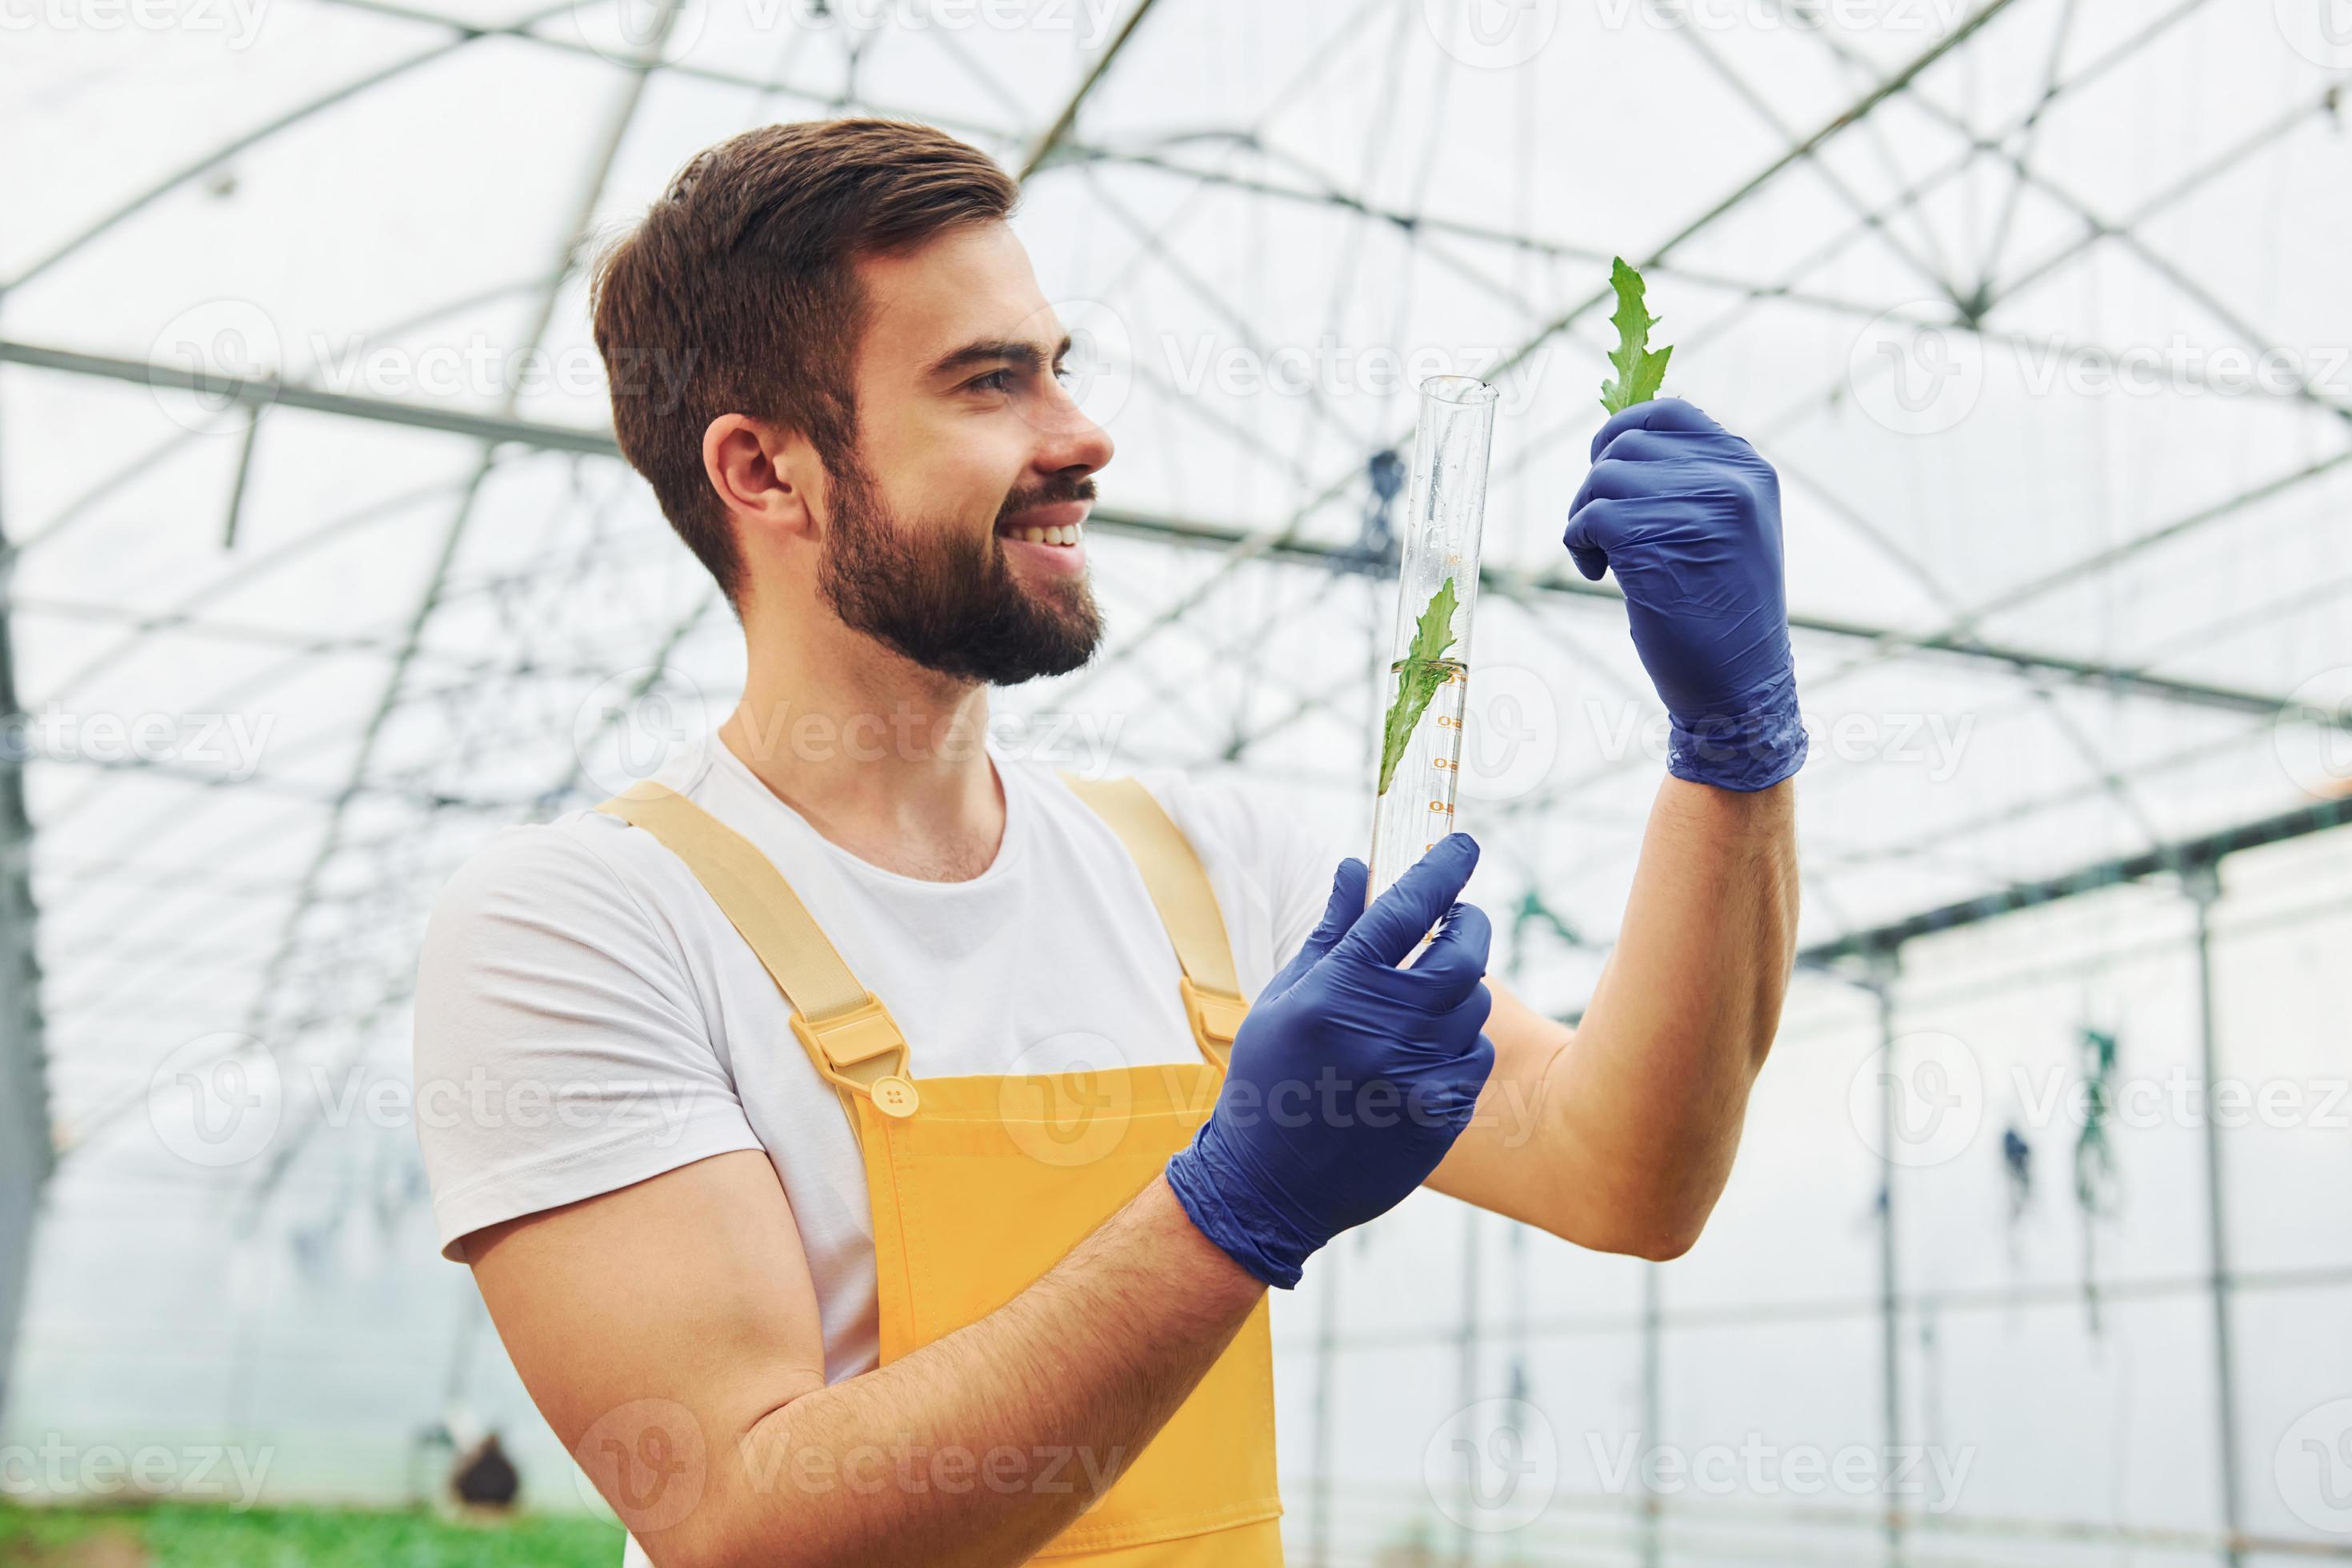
<point>1351,1077</point>
<point>1688,517</point>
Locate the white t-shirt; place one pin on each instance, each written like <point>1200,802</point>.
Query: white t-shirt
<point>586,1018</point>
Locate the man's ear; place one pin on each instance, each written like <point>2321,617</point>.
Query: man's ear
<point>765,476</point>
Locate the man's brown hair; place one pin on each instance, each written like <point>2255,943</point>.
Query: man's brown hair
<point>739,289</point>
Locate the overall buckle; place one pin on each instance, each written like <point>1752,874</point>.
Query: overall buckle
<point>857,1035</point>
<point>1214,1015</point>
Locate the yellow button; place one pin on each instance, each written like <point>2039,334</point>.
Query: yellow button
<point>894,1096</point>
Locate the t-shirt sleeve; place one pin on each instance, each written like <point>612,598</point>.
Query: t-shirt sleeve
<point>561,1047</point>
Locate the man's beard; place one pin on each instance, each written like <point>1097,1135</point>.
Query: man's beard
<point>948,601</point>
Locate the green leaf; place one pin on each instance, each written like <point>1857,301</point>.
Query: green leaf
<point>1639,373</point>
<point>1417,682</point>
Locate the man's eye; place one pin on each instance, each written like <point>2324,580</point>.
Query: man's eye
<point>994,381</point>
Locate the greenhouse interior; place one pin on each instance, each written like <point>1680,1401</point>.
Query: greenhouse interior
<point>324,567</point>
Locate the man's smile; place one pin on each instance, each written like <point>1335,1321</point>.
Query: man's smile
<point>1052,536</point>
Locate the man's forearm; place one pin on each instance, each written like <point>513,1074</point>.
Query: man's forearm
<point>1085,1364</point>
<point>1656,1085</point>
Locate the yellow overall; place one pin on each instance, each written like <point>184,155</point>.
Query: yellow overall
<point>981,1184</point>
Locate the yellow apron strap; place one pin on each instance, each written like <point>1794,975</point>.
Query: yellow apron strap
<point>851,1038</point>
<point>1187,904</point>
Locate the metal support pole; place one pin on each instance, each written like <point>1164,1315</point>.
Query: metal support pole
<point>26,1143</point>
<point>1652,1418</point>
<point>1327,1344</point>
<point>1465,1370</point>
<point>2202,883</point>
<point>1885,963</point>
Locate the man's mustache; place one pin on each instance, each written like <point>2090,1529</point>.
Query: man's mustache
<point>1046,495</point>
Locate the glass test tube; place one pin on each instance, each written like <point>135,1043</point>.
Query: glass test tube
<point>1424,698</point>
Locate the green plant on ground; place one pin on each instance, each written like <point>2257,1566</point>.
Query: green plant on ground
<point>184,1535</point>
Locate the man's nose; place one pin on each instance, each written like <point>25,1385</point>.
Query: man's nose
<point>1071,437</point>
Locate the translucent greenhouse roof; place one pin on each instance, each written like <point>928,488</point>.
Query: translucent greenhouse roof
<point>2038,305</point>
